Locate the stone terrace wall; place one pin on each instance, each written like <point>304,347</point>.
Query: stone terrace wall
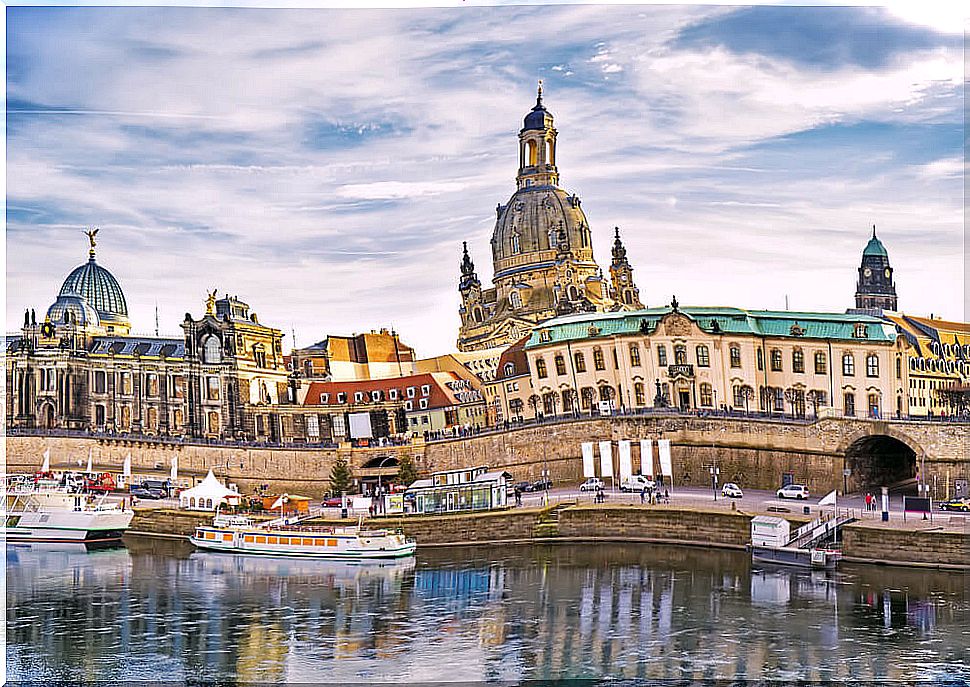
<point>625,523</point>
<point>865,543</point>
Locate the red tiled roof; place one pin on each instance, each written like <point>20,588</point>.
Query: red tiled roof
<point>514,354</point>
<point>439,395</point>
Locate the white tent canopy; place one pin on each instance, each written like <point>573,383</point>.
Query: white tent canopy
<point>208,494</point>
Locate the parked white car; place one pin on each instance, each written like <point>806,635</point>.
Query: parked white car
<point>793,491</point>
<point>732,490</point>
<point>591,484</point>
<point>636,483</point>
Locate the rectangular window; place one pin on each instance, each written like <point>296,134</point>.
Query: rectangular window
<point>735,356</point>
<point>598,361</point>
<point>798,360</point>
<point>411,391</point>
<point>212,388</point>
<point>848,365</point>
<point>634,355</point>
<point>779,394</point>
<point>425,389</point>
<point>775,360</point>
<point>153,385</point>
<point>339,426</point>
<point>703,357</point>
<point>872,365</point>
<point>313,427</point>
<point>821,363</point>
<point>541,368</point>
<point>100,384</point>
<point>126,383</point>
<point>423,403</point>
<point>358,396</point>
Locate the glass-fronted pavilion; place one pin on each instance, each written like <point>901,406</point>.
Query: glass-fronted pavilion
<point>468,489</point>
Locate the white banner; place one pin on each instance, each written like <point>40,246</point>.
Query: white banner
<point>46,467</point>
<point>626,464</point>
<point>606,459</point>
<point>360,426</point>
<point>174,475</point>
<point>126,468</point>
<point>646,458</point>
<point>663,449</point>
<point>589,460</point>
<point>90,461</point>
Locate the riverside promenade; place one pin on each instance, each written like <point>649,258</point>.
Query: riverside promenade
<point>942,543</point>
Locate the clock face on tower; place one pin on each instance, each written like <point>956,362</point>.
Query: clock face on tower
<point>867,272</point>
<point>888,272</point>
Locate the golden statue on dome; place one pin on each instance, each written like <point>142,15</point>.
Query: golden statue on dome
<point>210,303</point>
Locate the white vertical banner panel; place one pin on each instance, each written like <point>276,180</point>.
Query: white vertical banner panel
<point>626,464</point>
<point>646,458</point>
<point>606,459</point>
<point>589,460</point>
<point>663,449</point>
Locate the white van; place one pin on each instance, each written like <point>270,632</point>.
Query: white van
<point>636,483</point>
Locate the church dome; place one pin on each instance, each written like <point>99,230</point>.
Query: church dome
<point>71,308</point>
<point>539,118</point>
<point>100,289</point>
<point>875,248</point>
<point>542,221</point>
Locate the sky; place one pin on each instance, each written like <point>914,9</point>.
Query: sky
<point>325,165</point>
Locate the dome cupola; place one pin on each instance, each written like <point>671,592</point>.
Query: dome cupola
<point>100,289</point>
<point>73,309</point>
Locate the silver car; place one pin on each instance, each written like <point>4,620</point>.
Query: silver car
<point>793,491</point>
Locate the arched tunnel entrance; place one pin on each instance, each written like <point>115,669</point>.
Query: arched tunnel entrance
<point>377,473</point>
<point>878,461</point>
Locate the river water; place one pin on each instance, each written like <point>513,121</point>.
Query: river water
<point>157,610</point>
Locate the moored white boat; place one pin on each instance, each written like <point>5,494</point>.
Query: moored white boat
<point>244,535</point>
<point>58,515</point>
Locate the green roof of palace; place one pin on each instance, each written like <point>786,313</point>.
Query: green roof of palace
<point>763,323</point>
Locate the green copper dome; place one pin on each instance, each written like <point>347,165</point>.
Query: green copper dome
<point>99,287</point>
<point>875,247</point>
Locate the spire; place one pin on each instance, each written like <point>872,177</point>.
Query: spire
<point>873,231</point>
<point>539,97</point>
<point>468,276</point>
<point>619,250</point>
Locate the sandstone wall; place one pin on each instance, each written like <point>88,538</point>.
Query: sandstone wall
<point>865,543</point>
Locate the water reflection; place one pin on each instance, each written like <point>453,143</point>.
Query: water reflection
<point>157,610</point>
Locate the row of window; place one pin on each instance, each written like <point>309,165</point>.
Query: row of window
<point>377,395</point>
<point>124,418</point>
<point>124,384</point>
<point>703,359</point>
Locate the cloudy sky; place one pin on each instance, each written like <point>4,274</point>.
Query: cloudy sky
<point>325,165</point>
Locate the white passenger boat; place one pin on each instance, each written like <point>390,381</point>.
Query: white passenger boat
<point>58,515</point>
<point>244,535</point>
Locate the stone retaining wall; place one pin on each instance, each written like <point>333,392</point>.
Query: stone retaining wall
<point>626,523</point>
<point>868,544</point>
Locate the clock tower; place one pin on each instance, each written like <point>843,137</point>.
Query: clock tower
<point>875,290</point>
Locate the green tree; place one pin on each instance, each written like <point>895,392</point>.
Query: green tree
<point>407,473</point>
<point>340,477</point>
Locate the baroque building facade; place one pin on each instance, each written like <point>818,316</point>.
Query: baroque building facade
<point>542,253</point>
<point>79,368</point>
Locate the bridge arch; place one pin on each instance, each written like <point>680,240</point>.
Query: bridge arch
<point>878,457</point>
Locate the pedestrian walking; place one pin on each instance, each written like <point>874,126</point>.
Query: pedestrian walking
<point>643,495</point>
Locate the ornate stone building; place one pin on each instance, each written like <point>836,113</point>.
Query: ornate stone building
<point>542,253</point>
<point>875,290</point>
<point>81,369</point>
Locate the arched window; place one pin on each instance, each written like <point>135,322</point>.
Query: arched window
<point>208,503</point>
<point>580,361</point>
<point>775,360</point>
<point>873,405</point>
<point>509,369</point>
<point>259,355</point>
<point>192,502</point>
<point>848,365</point>
<point>798,360</point>
<point>872,365</point>
<point>607,393</point>
<point>477,314</point>
<point>213,423</point>
<point>515,243</point>
<point>125,417</point>
<point>628,297</point>
<point>541,368</point>
<point>680,355</point>
<point>515,300</point>
<point>736,356</point>
<point>212,349</point>
<point>152,418</point>
<point>560,364</point>
<point>586,396</point>
<point>533,152</point>
<point>598,361</point>
<point>821,363</point>
<point>707,395</point>
<point>703,356</point>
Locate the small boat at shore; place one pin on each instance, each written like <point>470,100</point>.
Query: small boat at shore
<point>822,558</point>
<point>52,514</point>
<point>244,535</point>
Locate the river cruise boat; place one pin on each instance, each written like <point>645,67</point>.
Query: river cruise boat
<point>58,515</point>
<point>243,535</point>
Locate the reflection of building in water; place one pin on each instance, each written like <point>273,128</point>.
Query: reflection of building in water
<point>262,652</point>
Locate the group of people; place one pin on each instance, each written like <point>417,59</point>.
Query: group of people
<point>654,496</point>
<point>871,501</point>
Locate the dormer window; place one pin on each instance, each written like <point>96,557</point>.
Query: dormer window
<point>423,404</point>
<point>509,369</point>
<point>324,398</point>
<point>375,396</point>
<point>342,397</point>
<point>425,389</point>
<point>861,331</point>
<point>392,394</point>
<point>358,396</point>
<point>411,392</point>
<point>545,335</point>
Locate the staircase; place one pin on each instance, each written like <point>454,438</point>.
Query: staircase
<point>806,536</point>
<point>548,523</point>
